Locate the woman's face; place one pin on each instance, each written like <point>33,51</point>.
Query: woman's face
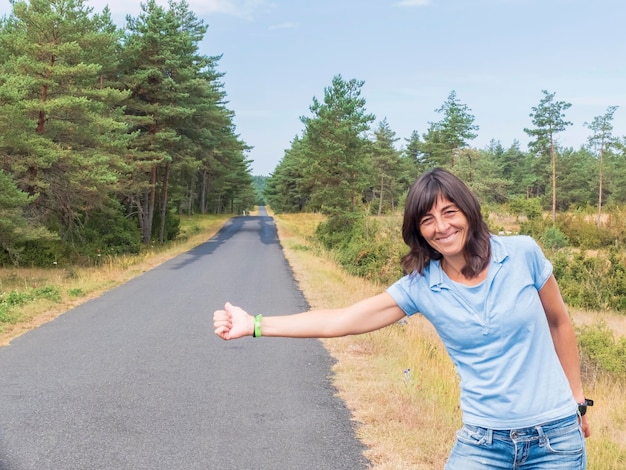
<point>445,228</point>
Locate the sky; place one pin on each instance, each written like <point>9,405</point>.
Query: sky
<point>496,55</point>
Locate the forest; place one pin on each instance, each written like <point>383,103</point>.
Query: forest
<point>342,161</point>
<point>107,133</point>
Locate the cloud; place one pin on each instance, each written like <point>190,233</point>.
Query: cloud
<point>245,9</point>
<point>287,25</point>
<point>413,3</point>
<point>239,8</point>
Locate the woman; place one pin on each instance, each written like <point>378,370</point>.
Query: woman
<point>497,307</point>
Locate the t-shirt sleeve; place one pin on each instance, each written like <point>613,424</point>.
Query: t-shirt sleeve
<point>540,266</point>
<point>400,292</point>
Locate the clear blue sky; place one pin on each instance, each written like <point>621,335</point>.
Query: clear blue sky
<point>497,55</point>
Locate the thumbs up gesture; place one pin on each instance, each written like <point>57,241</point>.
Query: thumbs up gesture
<point>232,322</point>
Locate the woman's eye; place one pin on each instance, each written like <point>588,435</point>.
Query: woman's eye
<point>427,221</point>
<point>450,213</point>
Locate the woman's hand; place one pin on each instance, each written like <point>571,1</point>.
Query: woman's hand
<point>585,426</point>
<point>232,322</point>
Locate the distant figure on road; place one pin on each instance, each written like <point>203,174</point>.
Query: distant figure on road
<point>498,309</point>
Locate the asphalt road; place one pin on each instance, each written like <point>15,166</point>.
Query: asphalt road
<point>136,379</point>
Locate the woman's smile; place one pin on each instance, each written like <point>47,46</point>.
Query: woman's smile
<point>445,227</point>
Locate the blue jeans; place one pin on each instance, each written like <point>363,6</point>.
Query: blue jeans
<point>553,445</point>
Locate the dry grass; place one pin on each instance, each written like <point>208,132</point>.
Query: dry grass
<point>409,421</point>
<point>394,411</point>
<point>616,321</point>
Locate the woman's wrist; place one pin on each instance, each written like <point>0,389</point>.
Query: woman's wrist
<point>256,326</point>
<point>251,325</point>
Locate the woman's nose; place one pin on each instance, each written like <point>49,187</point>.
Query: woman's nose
<point>440,224</point>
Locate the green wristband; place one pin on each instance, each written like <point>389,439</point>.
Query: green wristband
<point>257,326</point>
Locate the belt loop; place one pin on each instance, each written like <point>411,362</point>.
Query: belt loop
<point>542,437</point>
<point>489,437</point>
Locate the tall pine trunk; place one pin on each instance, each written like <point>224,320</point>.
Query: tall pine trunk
<point>166,182</point>
<point>149,206</point>
<point>203,191</point>
<point>599,219</point>
<point>380,199</point>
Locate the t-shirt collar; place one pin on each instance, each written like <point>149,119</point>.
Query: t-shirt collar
<point>499,254</point>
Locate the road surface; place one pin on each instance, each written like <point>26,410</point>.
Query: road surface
<point>136,379</point>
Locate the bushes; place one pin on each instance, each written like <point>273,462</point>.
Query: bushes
<point>591,282</point>
<point>580,229</point>
<point>601,351</point>
<point>530,207</point>
<point>371,247</point>
<point>338,229</point>
<point>363,246</point>
<point>553,238</point>
<point>108,230</point>
<point>103,231</point>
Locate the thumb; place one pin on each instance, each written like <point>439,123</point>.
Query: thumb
<point>228,307</point>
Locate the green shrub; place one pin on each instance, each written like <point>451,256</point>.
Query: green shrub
<point>338,229</point>
<point>591,282</point>
<point>598,344</point>
<point>530,207</point>
<point>8,315</point>
<point>553,238</point>
<point>15,298</point>
<point>51,293</point>
<point>109,231</point>
<point>77,292</point>
<point>172,225</point>
<point>363,246</point>
<point>39,253</point>
<point>535,227</point>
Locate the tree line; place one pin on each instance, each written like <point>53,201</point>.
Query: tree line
<point>342,162</point>
<point>108,133</point>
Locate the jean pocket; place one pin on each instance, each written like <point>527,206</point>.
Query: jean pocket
<point>570,441</point>
<point>472,435</point>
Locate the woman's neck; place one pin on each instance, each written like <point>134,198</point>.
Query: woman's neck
<point>454,268</point>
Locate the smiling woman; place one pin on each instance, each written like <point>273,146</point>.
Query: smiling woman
<point>500,316</point>
<point>444,228</point>
<point>450,228</point>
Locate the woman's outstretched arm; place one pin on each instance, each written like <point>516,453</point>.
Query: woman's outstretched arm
<point>366,315</point>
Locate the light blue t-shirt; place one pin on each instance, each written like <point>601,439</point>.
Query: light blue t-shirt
<point>510,375</point>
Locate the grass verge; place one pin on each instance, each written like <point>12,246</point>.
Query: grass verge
<point>399,382</point>
<point>30,297</point>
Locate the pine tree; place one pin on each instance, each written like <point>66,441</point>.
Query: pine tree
<point>548,119</point>
<point>286,190</point>
<point>158,66</point>
<point>13,224</point>
<point>445,138</point>
<point>414,153</point>
<point>387,164</point>
<point>62,128</point>
<point>337,168</point>
<point>601,141</point>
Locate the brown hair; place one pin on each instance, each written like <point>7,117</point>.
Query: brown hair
<point>423,195</point>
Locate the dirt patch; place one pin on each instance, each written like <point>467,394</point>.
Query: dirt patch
<point>615,321</point>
